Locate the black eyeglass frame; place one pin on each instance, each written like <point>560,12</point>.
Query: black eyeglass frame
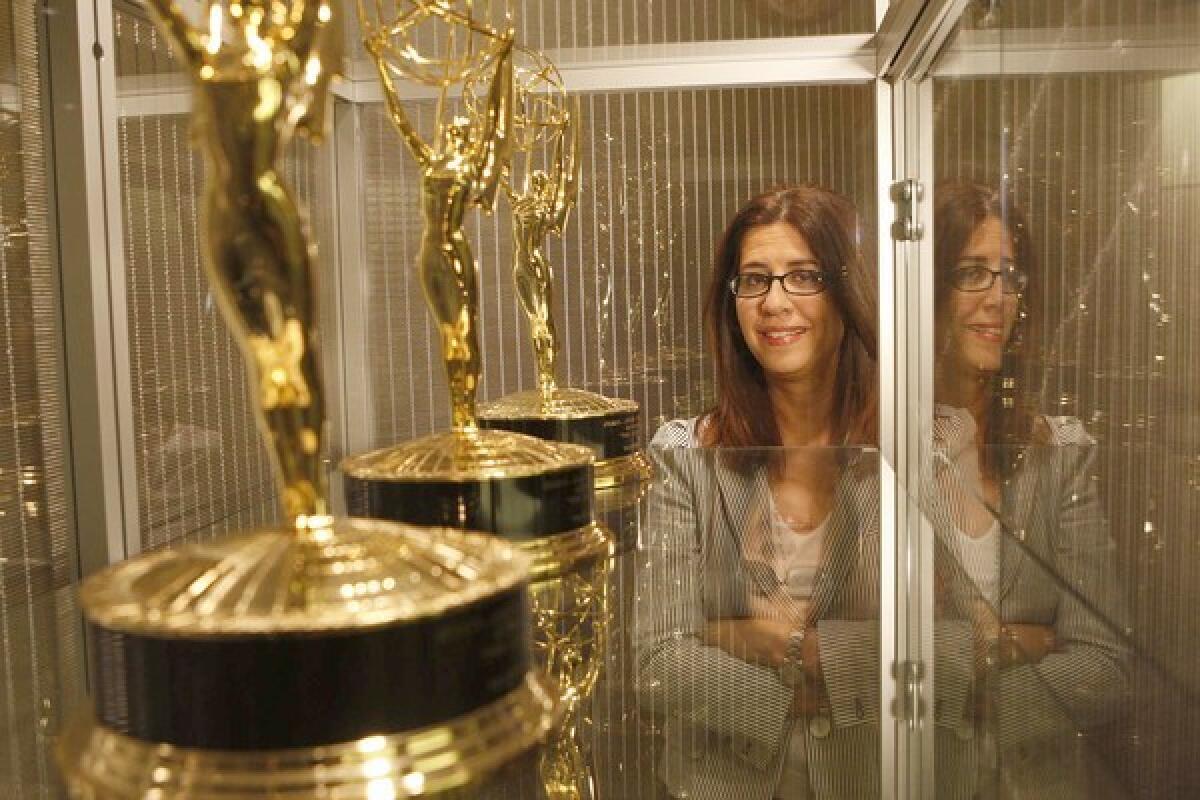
<point>1020,278</point>
<point>822,282</point>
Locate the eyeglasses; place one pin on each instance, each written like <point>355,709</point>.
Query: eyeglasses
<point>978,278</point>
<point>756,284</point>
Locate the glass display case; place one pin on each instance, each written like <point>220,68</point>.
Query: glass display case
<point>1009,610</point>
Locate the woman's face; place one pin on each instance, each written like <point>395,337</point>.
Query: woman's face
<point>976,325</point>
<point>791,336</point>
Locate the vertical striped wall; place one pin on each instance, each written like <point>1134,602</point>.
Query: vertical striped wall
<point>574,25</point>
<point>41,655</point>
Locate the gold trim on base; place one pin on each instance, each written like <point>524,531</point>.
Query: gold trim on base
<point>626,470</point>
<point>354,575</point>
<point>552,557</point>
<point>620,498</point>
<point>100,764</point>
<point>466,455</point>
<point>557,403</point>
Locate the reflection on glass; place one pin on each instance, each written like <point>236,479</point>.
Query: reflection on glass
<point>1023,545</point>
<point>757,624</point>
<point>1087,110</point>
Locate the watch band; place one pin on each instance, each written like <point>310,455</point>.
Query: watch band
<point>791,671</point>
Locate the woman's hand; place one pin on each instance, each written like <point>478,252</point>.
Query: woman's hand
<point>762,638</point>
<point>1007,644</point>
<point>1025,643</point>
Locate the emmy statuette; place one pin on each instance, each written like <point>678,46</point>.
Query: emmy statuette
<point>546,132</point>
<point>307,660</point>
<point>533,492</point>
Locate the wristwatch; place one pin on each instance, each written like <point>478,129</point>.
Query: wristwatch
<point>791,671</point>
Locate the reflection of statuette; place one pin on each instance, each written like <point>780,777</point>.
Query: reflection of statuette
<point>310,660</point>
<point>542,187</point>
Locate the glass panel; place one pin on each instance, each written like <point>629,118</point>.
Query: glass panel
<point>41,654</point>
<point>663,172</point>
<point>1115,24</point>
<point>201,466</point>
<point>741,549</point>
<point>1034,615</point>
<point>620,740</point>
<point>1065,199</point>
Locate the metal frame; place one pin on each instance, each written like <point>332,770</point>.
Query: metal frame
<point>891,648</point>
<point>352,432</point>
<point>912,35</point>
<point>83,122</point>
<point>985,53</point>
<point>906,561</point>
<point>329,236</point>
<point>895,53</point>
<point>915,32</point>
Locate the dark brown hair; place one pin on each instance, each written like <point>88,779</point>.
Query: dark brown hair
<point>960,207</point>
<point>742,416</point>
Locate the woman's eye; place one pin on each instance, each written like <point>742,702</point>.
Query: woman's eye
<point>974,274</point>
<point>753,280</point>
<point>803,279</point>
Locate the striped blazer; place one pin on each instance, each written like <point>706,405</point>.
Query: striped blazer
<point>727,723</point>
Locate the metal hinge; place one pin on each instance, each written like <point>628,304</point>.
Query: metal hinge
<point>907,195</point>
<point>910,684</point>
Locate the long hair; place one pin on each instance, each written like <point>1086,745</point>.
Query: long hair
<point>742,415</point>
<point>960,207</point>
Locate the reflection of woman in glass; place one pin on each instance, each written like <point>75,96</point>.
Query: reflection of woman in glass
<point>755,638</point>
<point>1017,509</point>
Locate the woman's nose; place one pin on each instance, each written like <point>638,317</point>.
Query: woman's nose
<point>994,296</point>
<point>776,299</point>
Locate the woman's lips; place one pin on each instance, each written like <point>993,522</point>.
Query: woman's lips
<point>989,333</point>
<point>777,337</point>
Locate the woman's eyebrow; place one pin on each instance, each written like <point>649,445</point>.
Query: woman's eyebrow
<point>972,261</point>
<point>801,262</point>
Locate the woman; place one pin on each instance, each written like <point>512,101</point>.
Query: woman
<point>757,628</point>
<point>1018,512</point>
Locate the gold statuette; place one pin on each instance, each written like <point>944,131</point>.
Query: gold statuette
<point>532,491</point>
<point>308,660</point>
<point>520,487</point>
<point>261,71</point>
<point>546,132</point>
<point>459,168</point>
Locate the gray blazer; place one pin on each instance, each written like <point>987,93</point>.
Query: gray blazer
<point>726,722</point>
